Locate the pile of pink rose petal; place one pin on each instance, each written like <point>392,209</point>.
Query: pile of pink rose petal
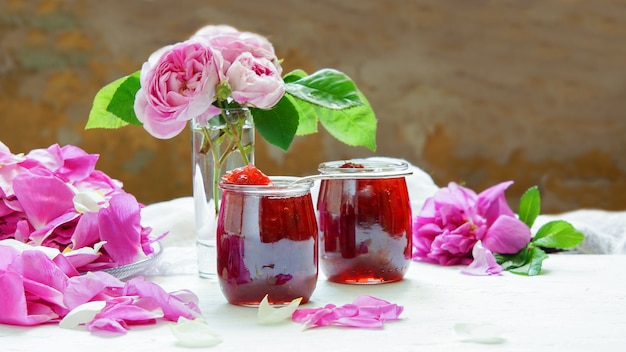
<point>60,217</point>
<point>38,289</point>
<point>56,198</point>
<point>364,312</point>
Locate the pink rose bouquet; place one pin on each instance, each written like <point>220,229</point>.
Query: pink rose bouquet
<point>220,68</point>
<point>458,226</point>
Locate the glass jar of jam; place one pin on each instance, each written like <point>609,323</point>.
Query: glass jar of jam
<point>267,242</point>
<point>364,221</point>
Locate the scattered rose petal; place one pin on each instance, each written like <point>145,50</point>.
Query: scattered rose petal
<point>271,315</point>
<point>37,289</point>
<point>484,262</point>
<point>364,312</point>
<point>82,314</point>
<point>194,333</point>
<point>120,312</point>
<point>486,333</point>
<point>174,305</point>
<point>21,247</point>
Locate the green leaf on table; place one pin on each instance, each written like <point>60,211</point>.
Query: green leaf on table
<point>113,104</point>
<point>354,126</point>
<point>530,206</point>
<point>558,234</point>
<point>278,125</point>
<point>328,88</point>
<point>510,261</point>
<point>533,264</point>
<point>527,261</point>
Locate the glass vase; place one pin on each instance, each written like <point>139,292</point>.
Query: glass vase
<point>223,143</point>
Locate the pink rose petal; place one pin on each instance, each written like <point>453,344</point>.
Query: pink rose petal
<point>173,305</point>
<point>507,235</point>
<point>484,262</point>
<point>121,229</point>
<point>364,312</point>
<point>43,197</point>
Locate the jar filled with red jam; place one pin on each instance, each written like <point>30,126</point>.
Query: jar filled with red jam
<point>364,221</point>
<point>267,242</point>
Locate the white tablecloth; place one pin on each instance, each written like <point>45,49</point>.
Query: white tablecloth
<point>577,304</point>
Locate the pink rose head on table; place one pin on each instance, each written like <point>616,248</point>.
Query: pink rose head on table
<point>458,226</point>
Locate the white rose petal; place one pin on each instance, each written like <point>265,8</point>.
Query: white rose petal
<point>269,315</point>
<point>88,201</point>
<point>21,247</point>
<point>82,314</point>
<point>195,333</point>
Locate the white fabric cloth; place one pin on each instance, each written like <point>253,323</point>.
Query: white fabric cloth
<point>577,304</point>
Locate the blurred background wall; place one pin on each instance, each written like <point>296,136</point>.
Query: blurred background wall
<point>477,92</point>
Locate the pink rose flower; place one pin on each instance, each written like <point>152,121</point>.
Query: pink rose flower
<point>178,84</point>
<point>456,218</point>
<point>255,82</point>
<point>231,43</point>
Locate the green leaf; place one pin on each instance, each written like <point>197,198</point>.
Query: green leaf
<point>108,105</point>
<point>294,75</point>
<point>327,88</point>
<point>123,101</point>
<point>530,206</point>
<point>354,126</point>
<point>99,116</point>
<point>277,126</point>
<point>533,263</point>
<point>511,261</point>
<point>307,123</point>
<point>558,234</point>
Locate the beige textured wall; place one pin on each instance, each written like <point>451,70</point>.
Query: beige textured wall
<point>471,91</point>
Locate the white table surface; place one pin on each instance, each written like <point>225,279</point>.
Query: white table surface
<point>577,304</point>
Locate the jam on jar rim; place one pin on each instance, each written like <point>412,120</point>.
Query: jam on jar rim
<point>280,186</point>
<point>369,166</point>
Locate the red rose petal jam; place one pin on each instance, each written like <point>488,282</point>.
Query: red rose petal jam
<point>267,243</point>
<point>246,175</point>
<point>365,225</point>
